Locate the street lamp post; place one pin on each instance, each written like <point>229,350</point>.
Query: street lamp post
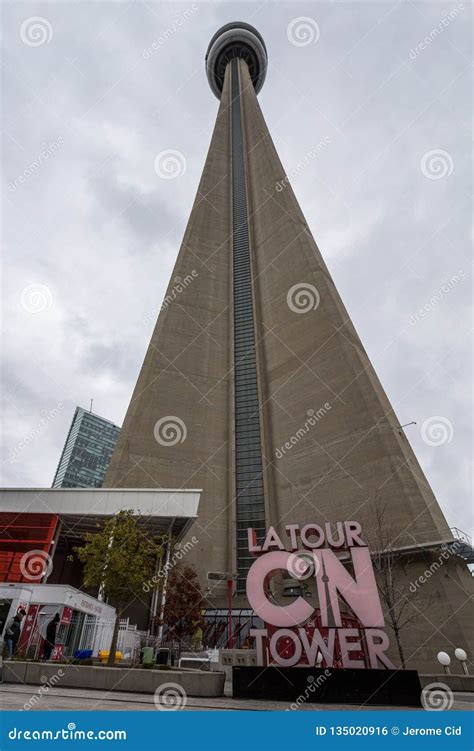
<point>461,655</point>
<point>230,579</point>
<point>445,660</point>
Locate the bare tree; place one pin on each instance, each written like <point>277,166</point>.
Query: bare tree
<point>390,569</point>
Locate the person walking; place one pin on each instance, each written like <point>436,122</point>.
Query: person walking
<point>50,638</point>
<point>196,640</point>
<point>12,632</point>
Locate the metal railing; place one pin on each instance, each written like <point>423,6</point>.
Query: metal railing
<point>461,536</point>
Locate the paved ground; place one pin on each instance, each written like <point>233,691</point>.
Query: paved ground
<point>16,697</point>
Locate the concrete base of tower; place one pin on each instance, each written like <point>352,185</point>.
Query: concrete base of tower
<point>432,611</point>
<point>396,688</point>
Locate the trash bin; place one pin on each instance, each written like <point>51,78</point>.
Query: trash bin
<point>163,657</point>
<point>147,656</point>
<point>82,654</point>
<point>104,656</point>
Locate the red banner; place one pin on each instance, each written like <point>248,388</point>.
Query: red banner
<point>29,625</point>
<point>66,616</point>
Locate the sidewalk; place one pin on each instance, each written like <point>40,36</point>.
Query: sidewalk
<point>16,697</point>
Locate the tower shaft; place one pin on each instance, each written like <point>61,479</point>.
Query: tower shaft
<point>284,417</point>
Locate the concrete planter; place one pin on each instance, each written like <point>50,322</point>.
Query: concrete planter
<point>195,683</point>
<point>454,682</point>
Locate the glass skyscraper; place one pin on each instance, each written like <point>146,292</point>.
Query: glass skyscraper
<point>87,451</point>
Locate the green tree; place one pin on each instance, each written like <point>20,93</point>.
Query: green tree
<point>120,558</point>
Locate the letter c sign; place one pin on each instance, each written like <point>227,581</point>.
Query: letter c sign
<point>277,615</point>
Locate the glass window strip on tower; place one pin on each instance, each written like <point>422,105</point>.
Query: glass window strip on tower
<point>250,501</point>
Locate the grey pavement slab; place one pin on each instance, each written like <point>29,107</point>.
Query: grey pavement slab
<point>69,699</point>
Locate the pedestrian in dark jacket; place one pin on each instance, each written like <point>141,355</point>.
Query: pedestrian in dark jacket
<point>12,632</point>
<point>50,639</point>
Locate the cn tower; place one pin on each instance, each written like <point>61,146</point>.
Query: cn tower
<point>280,416</point>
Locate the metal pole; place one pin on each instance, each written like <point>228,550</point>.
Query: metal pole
<point>154,596</point>
<point>52,550</point>
<point>165,582</point>
<point>101,592</point>
<point>229,597</point>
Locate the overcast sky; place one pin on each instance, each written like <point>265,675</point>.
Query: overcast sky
<point>93,91</point>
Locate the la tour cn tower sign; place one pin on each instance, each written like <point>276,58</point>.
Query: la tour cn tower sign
<point>304,630</point>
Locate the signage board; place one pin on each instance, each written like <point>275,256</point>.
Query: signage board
<point>346,627</point>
